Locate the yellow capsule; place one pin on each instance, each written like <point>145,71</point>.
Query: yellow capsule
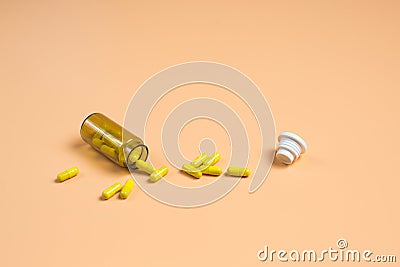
<point>135,155</point>
<point>109,151</point>
<point>189,169</point>
<point>199,160</point>
<point>238,171</point>
<point>158,174</point>
<point>65,175</point>
<point>127,189</point>
<point>213,170</point>
<point>112,190</point>
<point>121,158</point>
<point>144,166</point>
<point>211,160</point>
<point>215,158</point>
<point>97,142</point>
<point>115,130</point>
<point>117,133</point>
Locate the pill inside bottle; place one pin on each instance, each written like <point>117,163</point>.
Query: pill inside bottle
<point>113,141</point>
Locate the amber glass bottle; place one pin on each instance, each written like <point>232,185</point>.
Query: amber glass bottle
<point>113,141</point>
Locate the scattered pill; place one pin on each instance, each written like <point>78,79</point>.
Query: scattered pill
<point>144,166</point>
<point>158,174</point>
<point>215,158</point>
<point>67,174</point>
<point>238,171</point>
<point>199,160</point>
<point>127,189</point>
<point>112,190</point>
<point>213,170</point>
<point>290,147</point>
<point>109,151</point>
<point>189,169</point>
<point>211,160</point>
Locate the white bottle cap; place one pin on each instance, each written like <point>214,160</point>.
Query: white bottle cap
<point>285,156</point>
<point>290,147</point>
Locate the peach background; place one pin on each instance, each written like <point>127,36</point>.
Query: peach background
<point>329,69</point>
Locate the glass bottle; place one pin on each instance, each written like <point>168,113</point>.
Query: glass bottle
<point>113,141</point>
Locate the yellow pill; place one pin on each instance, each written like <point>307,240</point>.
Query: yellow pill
<point>112,190</point>
<point>116,133</point>
<point>238,171</point>
<point>65,175</point>
<point>109,151</point>
<point>121,158</point>
<point>115,130</point>
<point>215,158</point>
<point>127,189</point>
<point>97,142</point>
<point>189,169</point>
<point>199,160</point>
<point>158,174</point>
<point>213,170</point>
<point>211,160</point>
<point>144,166</point>
<point>135,155</point>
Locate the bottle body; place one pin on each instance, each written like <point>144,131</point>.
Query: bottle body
<point>112,140</point>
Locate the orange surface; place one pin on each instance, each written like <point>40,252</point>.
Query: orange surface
<point>329,70</point>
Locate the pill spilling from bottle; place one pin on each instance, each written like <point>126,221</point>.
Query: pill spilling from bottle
<point>127,150</point>
<point>158,174</point>
<point>155,174</point>
<point>144,166</point>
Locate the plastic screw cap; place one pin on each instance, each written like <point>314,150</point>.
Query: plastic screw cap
<point>290,147</point>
